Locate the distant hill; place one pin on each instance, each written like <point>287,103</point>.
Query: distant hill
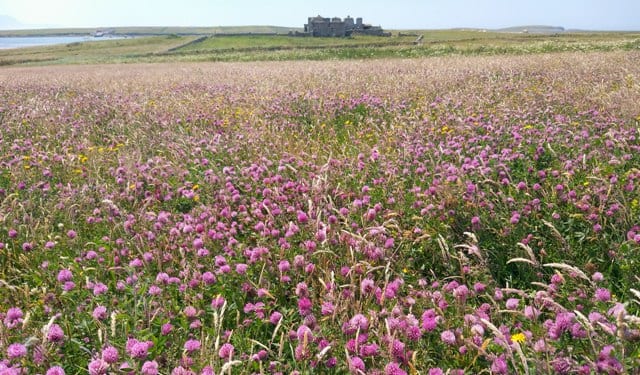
<point>533,29</point>
<point>8,23</point>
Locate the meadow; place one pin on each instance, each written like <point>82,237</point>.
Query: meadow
<point>204,45</point>
<point>448,215</point>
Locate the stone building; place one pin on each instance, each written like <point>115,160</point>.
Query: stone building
<point>336,27</point>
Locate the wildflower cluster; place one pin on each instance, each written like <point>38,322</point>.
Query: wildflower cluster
<point>382,217</point>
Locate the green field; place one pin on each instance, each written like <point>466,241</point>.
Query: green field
<point>434,202</point>
<point>209,45</point>
<point>141,30</point>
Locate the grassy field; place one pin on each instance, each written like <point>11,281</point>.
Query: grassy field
<point>208,204</point>
<point>147,31</point>
<point>457,214</point>
<point>168,48</point>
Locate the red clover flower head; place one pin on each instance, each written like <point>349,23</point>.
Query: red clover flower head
<point>98,367</point>
<point>226,351</point>
<point>149,368</point>
<point>55,370</point>
<point>448,337</point>
<point>99,313</point>
<point>110,354</point>
<point>55,334</point>
<point>394,369</point>
<point>356,364</point>
<point>16,350</point>
<point>192,346</point>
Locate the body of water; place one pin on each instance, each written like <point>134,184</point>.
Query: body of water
<point>20,42</point>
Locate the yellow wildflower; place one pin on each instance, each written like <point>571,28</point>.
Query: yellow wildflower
<point>518,337</point>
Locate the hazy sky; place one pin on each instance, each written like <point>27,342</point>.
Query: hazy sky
<point>426,14</point>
